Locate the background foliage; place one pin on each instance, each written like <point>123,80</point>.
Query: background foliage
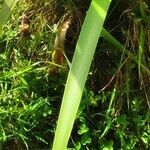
<point>114,111</point>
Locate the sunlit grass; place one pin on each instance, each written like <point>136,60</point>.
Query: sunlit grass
<point>5,11</point>
<point>82,59</point>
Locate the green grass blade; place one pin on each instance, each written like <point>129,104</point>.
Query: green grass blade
<point>5,11</point>
<point>79,70</point>
<point>121,47</point>
<point>141,49</point>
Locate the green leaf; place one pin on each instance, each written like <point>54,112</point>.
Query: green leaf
<point>85,139</point>
<point>83,129</point>
<point>122,120</point>
<point>108,146</point>
<point>78,73</point>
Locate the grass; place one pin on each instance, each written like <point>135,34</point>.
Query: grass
<point>79,70</point>
<point>114,108</point>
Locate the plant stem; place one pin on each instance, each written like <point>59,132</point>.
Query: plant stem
<point>121,47</point>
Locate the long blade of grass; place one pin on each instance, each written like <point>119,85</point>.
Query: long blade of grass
<point>141,50</point>
<point>84,52</point>
<point>5,11</point>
